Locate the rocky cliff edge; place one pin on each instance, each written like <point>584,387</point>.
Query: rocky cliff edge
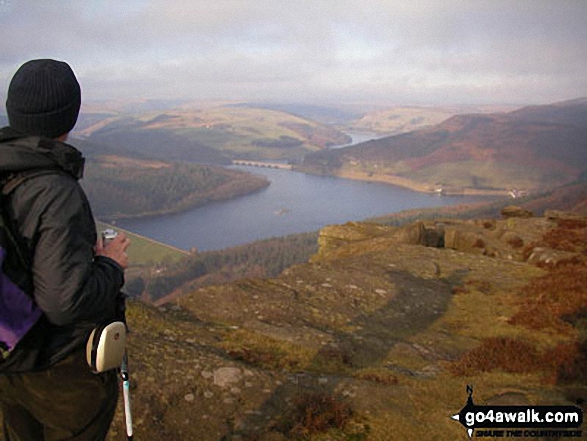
<point>375,338</point>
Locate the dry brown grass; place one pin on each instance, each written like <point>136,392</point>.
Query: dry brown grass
<point>315,413</point>
<point>549,299</point>
<point>565,363</point>
<point>380,376</point>
<point>562,292</point>
<point>570,235</point>
<point>515,242</point>
<point>555,302</point>
<point>479,243</point>
<point>507,354</point>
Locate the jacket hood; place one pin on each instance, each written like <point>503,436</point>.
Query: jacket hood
<point>19,152</point>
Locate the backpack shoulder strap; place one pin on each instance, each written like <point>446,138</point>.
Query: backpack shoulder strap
<point>9,237</point>
<point>9,183</point>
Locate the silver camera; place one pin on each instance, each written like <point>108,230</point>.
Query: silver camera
<point>108,235</point>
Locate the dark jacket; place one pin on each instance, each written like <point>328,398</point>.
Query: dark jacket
<point>53,222</point>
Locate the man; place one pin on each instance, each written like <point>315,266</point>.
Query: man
<point>47,389</point>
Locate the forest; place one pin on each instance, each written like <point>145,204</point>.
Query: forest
<point>264,258</point>
<point>128,188</point>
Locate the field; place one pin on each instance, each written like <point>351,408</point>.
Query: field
<point>147,252</point>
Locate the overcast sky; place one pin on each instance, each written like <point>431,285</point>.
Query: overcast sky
<point>313,51</point>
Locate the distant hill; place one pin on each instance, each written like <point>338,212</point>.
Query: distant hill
<point>214,135</point>
<point>402,119</point>
<point>130,105</point>
<point>530,148</point>
<point>322,114</point>
<point>572,112</point>
<point>120,187</point>
<point>121,183</point>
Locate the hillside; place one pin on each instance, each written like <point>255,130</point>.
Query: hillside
<point>213,135</point>
<point>402,119</point>
<point>263,258</point>
<point>119,187</point>
<point>531,148</point>
<point>378,334</point>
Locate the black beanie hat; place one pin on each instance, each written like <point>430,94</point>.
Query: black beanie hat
<point>43,99</point>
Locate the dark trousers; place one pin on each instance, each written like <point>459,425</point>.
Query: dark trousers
<point>65,402</point>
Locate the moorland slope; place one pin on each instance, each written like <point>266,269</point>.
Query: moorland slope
<point>378,334</point>
<point>402,119</point>
<point>214,135</point>
<point>532,148</point>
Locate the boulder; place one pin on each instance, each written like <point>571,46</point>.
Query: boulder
<point>563,215</point>
<point>226,376</point>
<point>548,256</point>
<point>515,211</point>
<point>465,241</point>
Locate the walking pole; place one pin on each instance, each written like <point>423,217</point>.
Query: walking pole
<point>126,395</point>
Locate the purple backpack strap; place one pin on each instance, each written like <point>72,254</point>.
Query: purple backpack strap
<point>18,312</point>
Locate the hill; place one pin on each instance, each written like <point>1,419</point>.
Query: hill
<point>214,135</point>
<point>403,119</point>
<point>120,184</point>
<point>123,187</point>
<point>378,334</point>
<point>262,259</point>
<point>324,114</point>
<point>531,148</point>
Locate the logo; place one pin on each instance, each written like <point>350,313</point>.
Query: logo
<point>519,421</point>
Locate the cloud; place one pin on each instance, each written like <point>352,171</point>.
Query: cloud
<point>402,51</point>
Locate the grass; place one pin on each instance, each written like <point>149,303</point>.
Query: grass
<point>507,354</point>
<point>551,300</point>
<point>468,174</point>
<point>265,352</point>
<point>554,304</point>
<point>476,314</point>
<point>317,412</point>
<point>563,363</point>
<point>144,251</point>
<point>378,375</point>
<point>480,174</point>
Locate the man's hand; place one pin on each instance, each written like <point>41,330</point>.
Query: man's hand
<point>115,249</point>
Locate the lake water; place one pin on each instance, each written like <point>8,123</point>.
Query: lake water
<point>294,202</point>
<point>357,138</point>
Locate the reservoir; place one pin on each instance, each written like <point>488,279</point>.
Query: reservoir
<point>295,202</point>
